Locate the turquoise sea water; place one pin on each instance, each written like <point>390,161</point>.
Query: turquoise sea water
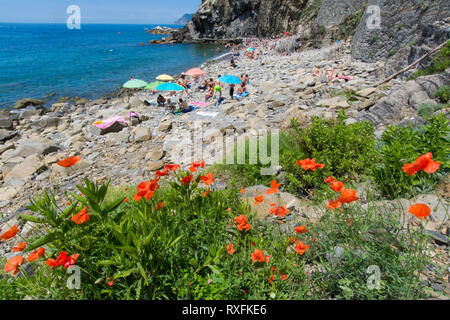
<point>39,59</point>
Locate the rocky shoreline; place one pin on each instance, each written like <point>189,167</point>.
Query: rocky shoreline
<point>281,88</point>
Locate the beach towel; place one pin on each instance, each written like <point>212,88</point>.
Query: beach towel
<point>207,114</point>
<point>242,95</point>
<point>199,103</point>
<point>108,123</point>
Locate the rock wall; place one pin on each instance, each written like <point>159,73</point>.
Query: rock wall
<point>403,23</point>
<point>420,24</point>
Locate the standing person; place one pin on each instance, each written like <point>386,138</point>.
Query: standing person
<point>232,91</point>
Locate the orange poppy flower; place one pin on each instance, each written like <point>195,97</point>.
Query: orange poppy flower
<point>336,186</point>
<point>36,254</point>
<point>81,217</point>
<point>274,187</point>
<point>240,219</point>
<point>242,190</point>
<point>13,264</point>
<point>62,260</point>
<point>160,205</point>
<point>272,278</point>
<point>208,179</point>
<point>186,180</point>
<point>68,162</point>
<point>146,189</point>
<point>279,211</point>
<point>258,256</point>
<point>125,200</point>
<point>292,240</point>
<point>204,194</point>
<point>195,165</point>
<point>333,204</point>
<point>420,210</point>
<point>301,248</point>
<point>172,167</point>
<point>162,173</point>
<point>300,229</point>
<point>244,226</point>
<point>230,249</point>
<point>347,196</point>
<point>67,203</point>
<point>310,164</point>
<point>284,277</point>
<point>22,245</point>
<point>424,163</point>
<point>10,233</point>
<point>259,199</point>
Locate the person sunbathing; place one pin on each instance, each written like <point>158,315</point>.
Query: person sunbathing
<point>161,101</point>
<point>330,73</point>
<point>317,72</point>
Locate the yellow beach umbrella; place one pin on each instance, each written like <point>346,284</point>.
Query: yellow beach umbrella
<point>164,77</point>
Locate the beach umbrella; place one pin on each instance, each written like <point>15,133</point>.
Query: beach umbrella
<point>134,84</point>
<point>153,85</point>
<point>195,72</point>
<point>164,77</point>
<point>169,86</point>
<point>230,79</point>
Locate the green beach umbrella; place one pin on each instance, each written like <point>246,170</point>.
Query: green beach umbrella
<point>134,84</point>
<point>153,85</point>
<point>169,86</point>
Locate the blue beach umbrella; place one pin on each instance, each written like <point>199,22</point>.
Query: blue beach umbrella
<point>230,79</point>
<point>169,86</point>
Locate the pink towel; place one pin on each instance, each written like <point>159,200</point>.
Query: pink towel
<point>199,104</point>
<point>108,123</point>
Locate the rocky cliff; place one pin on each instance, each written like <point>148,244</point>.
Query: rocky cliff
<point>380,27</point>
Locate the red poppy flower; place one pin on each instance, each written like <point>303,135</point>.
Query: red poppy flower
<point>162,173</point>
<point>81,217</point>
<point>333,204</point>
<point>186,180</point>
<point>125,200</point>
<point>279,211</point>
<point>172,167</point>
<point>13,264</point>
<point>244,226</point>
<point>301,248</point>
<point>347,196</point>
<point>420,210</point>
<point>310,164</point>
<point>337,186</point>
<point>240,219</point>
<point>284,277</point>
<point>329,179</point>
<point>10,233</point>
<point>424,163</point>
<point>230,249</point>
<point>274,187</point>
<point>62,260</point>
<point>292,239</point>
<point>258,256</point>
<point>272,278</point>
<point>242,190</point>
<point>195,165</point>
<point>22,245</point>
<point>259,199</point>
<point>208,179</point>
<point>300,229</point>
<point>36,254</point>
<point>68,162</point>
<point>204,194</point>
<point>160,205</point>
<point>146,190</point>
